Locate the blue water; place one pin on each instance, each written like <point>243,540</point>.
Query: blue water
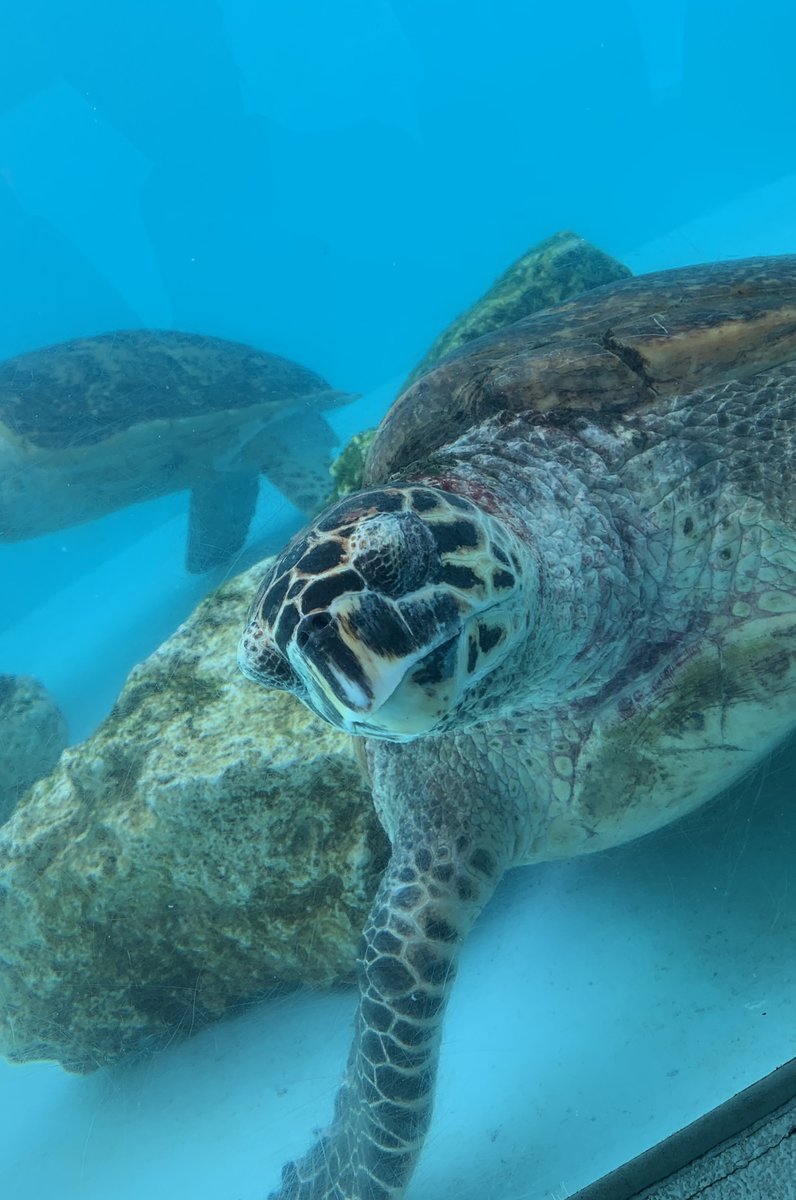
<point>334,182</point>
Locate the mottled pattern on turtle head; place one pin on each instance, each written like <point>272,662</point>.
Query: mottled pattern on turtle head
<point>387,611</point>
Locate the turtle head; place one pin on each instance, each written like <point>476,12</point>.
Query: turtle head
<point>387,615</point>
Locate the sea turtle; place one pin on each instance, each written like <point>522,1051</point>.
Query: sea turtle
<point>562,613</point>
<point>97,423</point>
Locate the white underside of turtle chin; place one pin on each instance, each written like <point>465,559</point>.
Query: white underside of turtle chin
<point>407,714</point>
<point>401,710</point>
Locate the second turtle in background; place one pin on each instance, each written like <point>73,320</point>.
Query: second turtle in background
<point>95,424</point>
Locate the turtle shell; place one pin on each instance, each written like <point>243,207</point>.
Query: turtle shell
<point>89,389</point>
<point>620,347</point>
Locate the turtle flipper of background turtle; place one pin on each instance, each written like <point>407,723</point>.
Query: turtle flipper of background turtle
<point>295,454</point>
<point>220,514</point>
<point>296,457</point>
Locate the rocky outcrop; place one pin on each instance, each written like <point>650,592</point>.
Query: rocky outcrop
<point>556,269</point>
<point>212,841</point>
<point>549,273</point>
<point>348,468</point>
<point>32,735</point>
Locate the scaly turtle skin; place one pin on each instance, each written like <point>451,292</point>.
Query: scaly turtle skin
<point>95,424</point>
<point>562,615</point>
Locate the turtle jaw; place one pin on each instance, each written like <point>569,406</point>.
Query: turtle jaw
<point>438,685</point>
<point>377,695</point>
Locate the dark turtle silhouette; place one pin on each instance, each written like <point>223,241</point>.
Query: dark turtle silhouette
<point>95,424</point>
<point>562,613</point>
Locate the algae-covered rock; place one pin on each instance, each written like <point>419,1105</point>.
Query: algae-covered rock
<point>32,735</point>
<point>548,274</point>
<point>349,465</point>
<point>556,269</point>
<point>212,841</point>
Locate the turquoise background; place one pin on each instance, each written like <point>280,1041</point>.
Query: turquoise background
<point>334,180</point>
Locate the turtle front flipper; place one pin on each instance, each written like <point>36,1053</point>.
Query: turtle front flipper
<point>221,511</point>
<point>428,899</point>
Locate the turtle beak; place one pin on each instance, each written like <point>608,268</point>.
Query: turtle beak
<point>355,664</point>
<point>329,666</point>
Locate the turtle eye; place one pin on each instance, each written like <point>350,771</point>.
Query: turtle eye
<point>397,554</point>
